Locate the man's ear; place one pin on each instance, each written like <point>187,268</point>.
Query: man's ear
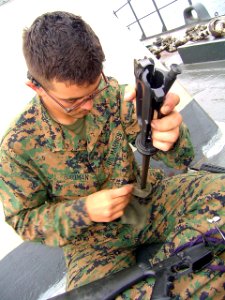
<point>33,86</point>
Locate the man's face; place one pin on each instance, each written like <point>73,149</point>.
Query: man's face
<point>66,103</point>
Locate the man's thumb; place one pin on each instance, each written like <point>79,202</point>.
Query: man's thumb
<point>122,191</point>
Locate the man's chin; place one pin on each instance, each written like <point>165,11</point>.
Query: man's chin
<point>79,115</point>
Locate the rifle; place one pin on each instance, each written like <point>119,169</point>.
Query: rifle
<point>152,85</point>
<point>190,260</point>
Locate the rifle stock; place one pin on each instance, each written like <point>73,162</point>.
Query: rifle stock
<point>109,287</point>
<point>165,272</point>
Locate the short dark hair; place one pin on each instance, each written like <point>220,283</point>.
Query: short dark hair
<point>60,45</point>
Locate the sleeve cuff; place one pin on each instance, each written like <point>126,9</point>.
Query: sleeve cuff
<point>78,215</point>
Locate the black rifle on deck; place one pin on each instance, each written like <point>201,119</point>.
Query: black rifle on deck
<point>152,85</point>
<point>190,260</point>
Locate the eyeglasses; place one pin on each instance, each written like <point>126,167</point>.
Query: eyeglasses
<point>77,103</point>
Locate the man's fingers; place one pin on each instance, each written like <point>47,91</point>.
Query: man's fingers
<point>119,202</point>
<point>168,136</point>
<point>117,208</point>
<point>167,123</point>
<point>122,204</point>
<point>102,206</point>
<point>113,217</point>
<point>123,191</point>
<point>162,145</point>
<point>171,101</point>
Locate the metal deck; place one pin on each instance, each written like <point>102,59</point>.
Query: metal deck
<point>206,83</point>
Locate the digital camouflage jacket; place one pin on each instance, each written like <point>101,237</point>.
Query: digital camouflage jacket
<point>46,171</point>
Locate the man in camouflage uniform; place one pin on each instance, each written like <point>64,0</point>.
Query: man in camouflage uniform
<point>67,169</point>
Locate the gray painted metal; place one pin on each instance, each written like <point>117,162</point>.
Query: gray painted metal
<point>202,128</point>
<point>199,9</point>
<point>203,51</point>
<point>29,270</point>
<point>206,83</point>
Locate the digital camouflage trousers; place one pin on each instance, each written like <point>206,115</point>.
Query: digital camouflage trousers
<point>178,211</point>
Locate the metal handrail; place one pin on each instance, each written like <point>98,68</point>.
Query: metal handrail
<point>157,10</point>
<point>152,12</point>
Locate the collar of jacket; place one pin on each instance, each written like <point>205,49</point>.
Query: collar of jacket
<point>54,133</point>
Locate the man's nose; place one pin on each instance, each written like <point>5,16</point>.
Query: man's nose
<point>87,105</point>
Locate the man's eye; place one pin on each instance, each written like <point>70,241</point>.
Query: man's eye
<point>72,101</point>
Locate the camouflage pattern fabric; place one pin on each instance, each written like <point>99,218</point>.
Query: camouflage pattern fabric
<point>46,171</point>
<point>178,212</point>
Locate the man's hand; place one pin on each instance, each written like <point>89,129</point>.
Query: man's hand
<point>108,205</point>
<point>129,93</point>
<point>165,131</point>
